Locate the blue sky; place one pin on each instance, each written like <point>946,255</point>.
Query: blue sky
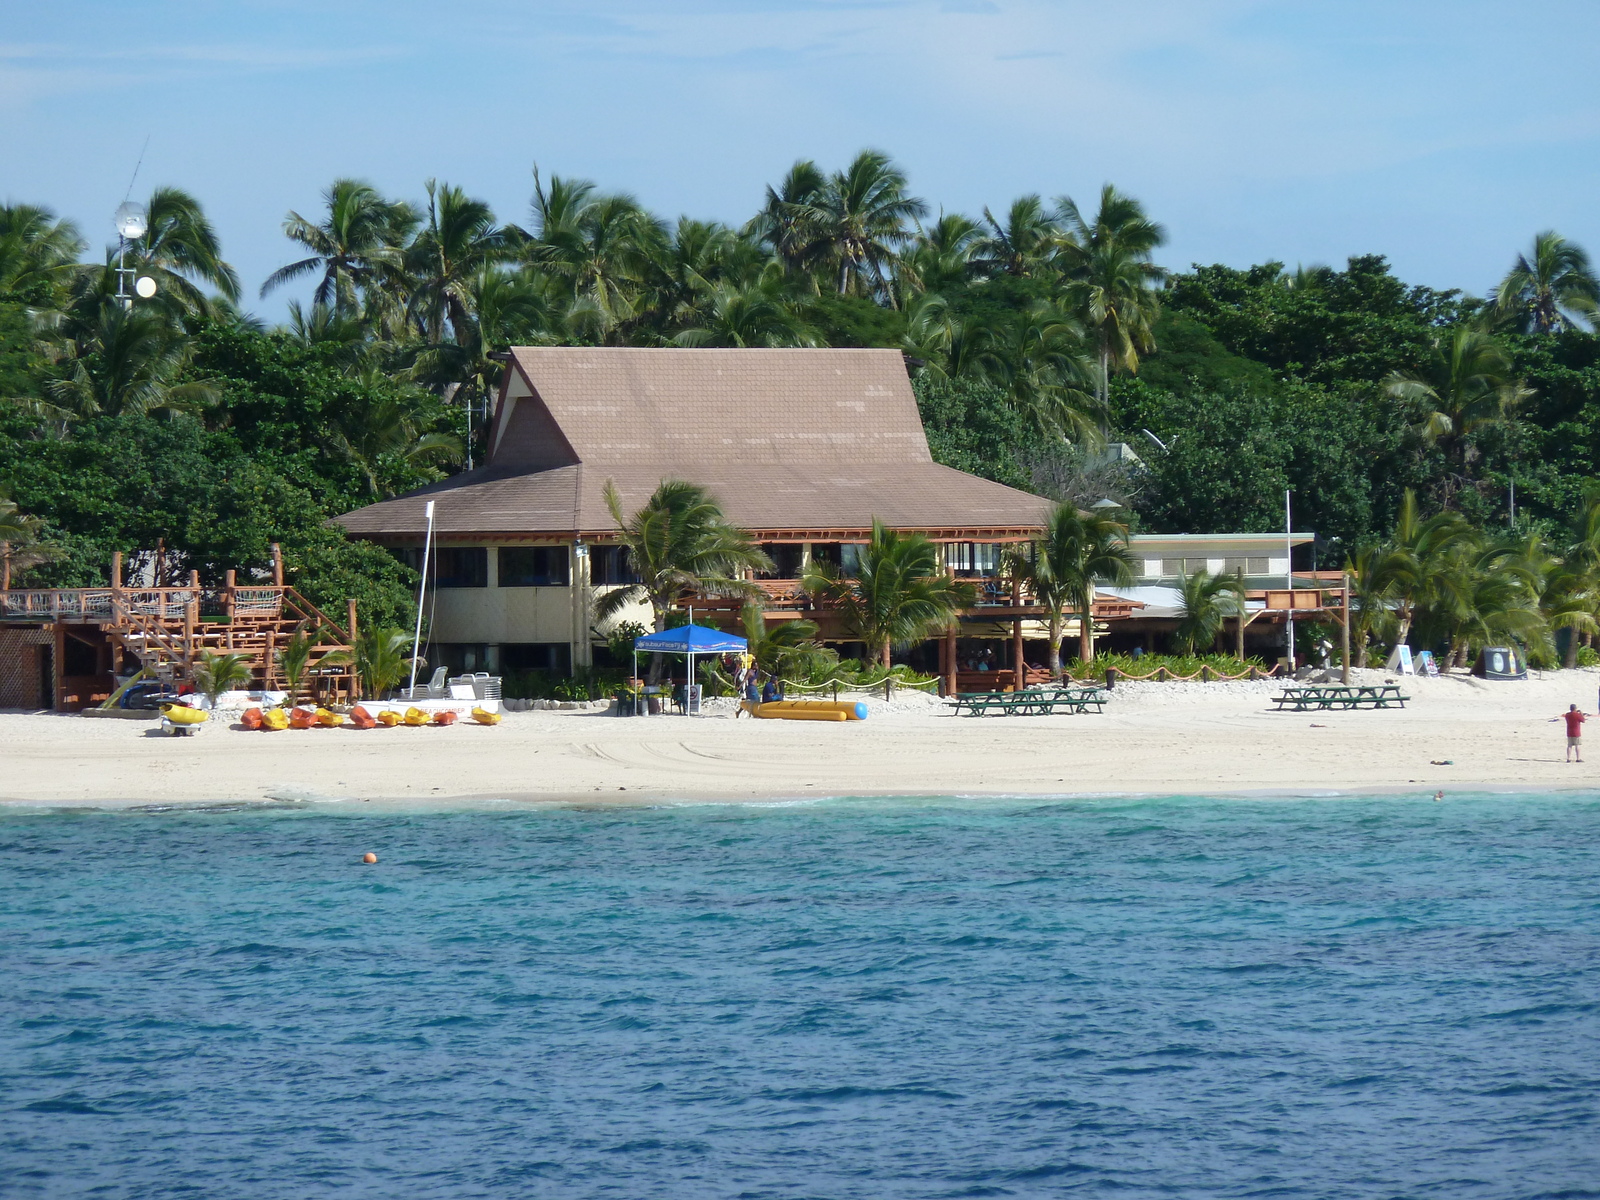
<point>1441,134</point>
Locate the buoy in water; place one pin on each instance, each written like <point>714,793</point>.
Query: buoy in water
<point>369,858</point>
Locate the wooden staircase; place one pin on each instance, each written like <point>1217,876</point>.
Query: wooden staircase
<point>167,630</point>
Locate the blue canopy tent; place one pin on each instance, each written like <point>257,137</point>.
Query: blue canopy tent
<point>688,640</point>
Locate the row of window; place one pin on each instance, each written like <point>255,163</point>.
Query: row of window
<point>550,566</point>
<point>1191,566</point>
<point>520,566</point>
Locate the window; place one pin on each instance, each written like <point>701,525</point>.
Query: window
<point>461,567</point>
<point>849,557</point>
<point>825,552</point>
<point>1250,566</point>
<point>973,558</point>
<point>609,566</point>
<point>457,658</point>
<point>552,657</point>
<point>785,558</point>
<point>534,566</point>
<point>1183,566</point>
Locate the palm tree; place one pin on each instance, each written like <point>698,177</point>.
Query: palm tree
<point>940,257</point>
<point>861,219</point>
<point>1373,576</point>
<point>790,221</point>
<point>680,543</point>
<point>128,360</point>
<point>457,241</point>
<point>218,673</point>
<point>1023,245</point>
<point>293,660</point>
<point>1417,557</point>
<point>1547,292</point>
<point>1467,385</point>
<point>1113,278</point>
<point>1208,601</point>
<point>787,649</point>
<point>1075,550</point>
<point>361,231</point>
<point>385,431</point>
<point>180,247</point>
<point>382,658</point>
<point>22,543</point>
<point>1037,357</point>
<point>743,317</point>
<point>600,246</point>
<point>898,594</point>
<point>38,252</point>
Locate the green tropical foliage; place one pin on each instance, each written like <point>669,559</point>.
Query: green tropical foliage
<point>1076,551</point>
<point>897,594</point>
<point>186,430</point>
<point>382,659</point>
<point>1208,603</point>
<point>218,673</point>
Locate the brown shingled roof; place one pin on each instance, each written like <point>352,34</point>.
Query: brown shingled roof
<point>788,441</point>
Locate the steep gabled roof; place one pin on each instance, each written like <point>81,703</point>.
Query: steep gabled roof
<point>786,440</point>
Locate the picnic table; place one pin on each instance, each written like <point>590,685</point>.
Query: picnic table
<point>1322,696</point>
<point>1032,702</point>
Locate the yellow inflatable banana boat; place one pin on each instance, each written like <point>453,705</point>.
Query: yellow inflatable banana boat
<point>808,710</point>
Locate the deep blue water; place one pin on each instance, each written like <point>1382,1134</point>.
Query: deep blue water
<point>1354,997</point>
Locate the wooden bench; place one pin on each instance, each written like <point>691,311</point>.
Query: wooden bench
<point>1322,697</point>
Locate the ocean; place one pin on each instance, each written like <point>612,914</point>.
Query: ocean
<point>1130,997</point>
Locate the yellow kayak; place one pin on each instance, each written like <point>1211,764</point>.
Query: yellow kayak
<point>274,718</point>
<point>329,720</point>
<point>484,717</point>
<point>389,718</point>
<point>182,714</point>
<point>415,716</point>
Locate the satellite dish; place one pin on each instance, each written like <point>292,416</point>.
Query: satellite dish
<point>131,220</point>
<point>145,286</point>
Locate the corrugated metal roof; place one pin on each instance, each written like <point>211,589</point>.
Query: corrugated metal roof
<point>786,440</point>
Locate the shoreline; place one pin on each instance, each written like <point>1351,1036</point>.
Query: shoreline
<point>1195,739</point>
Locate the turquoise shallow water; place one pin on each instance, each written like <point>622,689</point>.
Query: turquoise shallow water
<point>1350,997</point>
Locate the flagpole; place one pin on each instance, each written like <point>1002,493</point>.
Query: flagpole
<point>422,590</point>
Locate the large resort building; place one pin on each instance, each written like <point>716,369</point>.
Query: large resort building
<point>804,448</point>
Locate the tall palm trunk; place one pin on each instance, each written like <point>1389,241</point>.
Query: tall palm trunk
<point>1086,627</point>
<point>1238,635</point>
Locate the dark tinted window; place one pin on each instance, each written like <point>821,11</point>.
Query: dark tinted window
<point>554,657</point>
<point>533,566</point>
<point>785,558</point>
<point>461,567</point>
<point>609,565</point>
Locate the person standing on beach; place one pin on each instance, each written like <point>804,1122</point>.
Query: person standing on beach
<point>1574,720</point>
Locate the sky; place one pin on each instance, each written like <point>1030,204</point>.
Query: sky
<point>1441,134</point>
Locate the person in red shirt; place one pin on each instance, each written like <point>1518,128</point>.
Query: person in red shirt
<point>1574,720</point>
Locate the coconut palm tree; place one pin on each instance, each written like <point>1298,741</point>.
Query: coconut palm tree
<point>127,360</point>
<point>1108,260</point>
<point>457,240</point>
<point>1551,290</point>
<point>1208,601</point>
<point>38,253</point>
<point>1023,245</point>
<point>1468,384</point>
<point>861,221</point>
<point>743,317</point>
<point>361,231</point>
<point>939,258</point>
<point>1373,572</point>
<point>789,223</point>
<point>1075,551</point>
<point>679,543</point>
<point>600,246</point>
<point>180,249</point>
<point>1038,358</point>
<point>1417,557</point>
<point>386,431</point>
<point>22,543</point>
<point>899,593</point>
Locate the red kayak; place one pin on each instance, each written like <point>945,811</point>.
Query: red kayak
<point>302,718</point>
<point>360,718</point>
<point>444,718</point>
<point>251,718</point>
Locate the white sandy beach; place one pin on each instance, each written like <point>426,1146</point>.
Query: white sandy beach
<point>1162,738</point>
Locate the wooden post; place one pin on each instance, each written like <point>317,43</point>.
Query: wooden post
<point>116,570</point>
<point>5,566</point>
<point>58,655</point>
<point>277,565</point>
<point>1344,633</point>
<point>950,659</point>
<point>1019,668</point>
<point>352,624</point>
